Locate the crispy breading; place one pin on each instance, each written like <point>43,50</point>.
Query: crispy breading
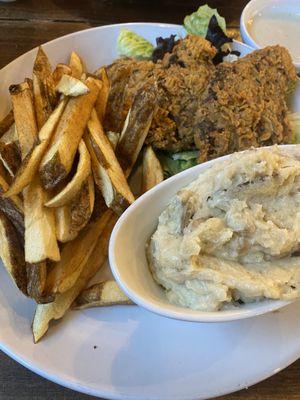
<point>218,109</point>
<point>181,79</point>
<point>245,104</point>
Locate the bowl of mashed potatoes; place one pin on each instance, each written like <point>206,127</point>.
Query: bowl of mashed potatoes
<point>220,241</point>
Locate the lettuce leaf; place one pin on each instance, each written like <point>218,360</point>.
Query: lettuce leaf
<point>177,162</point>
<point>130,44</point>
<point>197,23</point>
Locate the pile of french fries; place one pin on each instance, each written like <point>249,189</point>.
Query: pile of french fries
<point>63,183</point>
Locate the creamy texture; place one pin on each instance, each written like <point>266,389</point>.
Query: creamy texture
<point>275,25</point>
<point>232,234</point>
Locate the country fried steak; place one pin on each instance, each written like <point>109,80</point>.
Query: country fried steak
<point>216,109</point>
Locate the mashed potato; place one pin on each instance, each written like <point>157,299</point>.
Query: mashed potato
<point>232,235</point>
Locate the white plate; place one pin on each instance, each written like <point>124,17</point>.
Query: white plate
<point>139,355</point>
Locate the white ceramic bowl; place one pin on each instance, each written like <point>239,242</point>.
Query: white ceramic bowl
<point>254,7</point>
<point>128,260</point>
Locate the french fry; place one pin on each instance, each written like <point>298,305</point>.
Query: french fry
<point>40,235</point>
<point>70,86</point>
<point>30,164</point>
<point>43,88</point>
<point>114,138</point>
<point>63,301</point>
<point>73,217</point>
<point>152,170</point>
<point>12,207</point>
<point>12,253</point>
<point>6,123</point>
<point>101,103</point>
<point>112,181</point>
<point>74,256</point>
<point>137,126</point>
<point>36,281</point>
<point>72,188</point>
<point>4,173</point>
<point>24,113</point>
<point>60,70</point>
<point>10,153</point>
<point>58,160</point>
<point>101,294</point>
<point>76,64</point>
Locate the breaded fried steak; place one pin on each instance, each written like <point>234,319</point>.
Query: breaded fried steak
<point>216,109</point>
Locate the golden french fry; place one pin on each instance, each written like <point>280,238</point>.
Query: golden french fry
<point>60,70</point>
<point>40,233</point>
<point>101,294</point>
<point>63,301</point>
<point>101,103</point>
<point>24,114</point>
<point>31,162</point>
<point>36,281</point>
<point>137,125</point>
<point>43,88</point>
<point>114,138</point>
<point>76,64</point>
<point>73,187</point>
<point>10,154</point>
<point>112,182</point>
<point>12,253</point>
<point>70,86</point>
<point>12,207</point>
<point>74,256</point>
<point>58,160</point>
<point>73,217</point>
<point>6,123</point>
<point>152,170</point>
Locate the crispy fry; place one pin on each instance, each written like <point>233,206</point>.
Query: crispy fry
<point>73,187</point>
<point>12,253</point>
<point>36,281</point>
<point>63,301</point>
<point>112,182</point>
<point>60,70</point>
<point>101,103</point>
<point>76,64</point>
<point>24,113</point>
<point>74,256</point>
<point>152,170</point>
<point>58,160</point>
<point>113,137</point>
<point>6,123</point>
<point>40,235</point>
<point>31,162</point>
<point>70,86</point>
<point>10,153</point>
<point>72,218</point>
<point>137,126</point>
<point>12,207</point>
<point>101,294</point>
<point>3,172</point>
<point>43,88</point>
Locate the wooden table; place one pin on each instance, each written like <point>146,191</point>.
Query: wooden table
<point>28,23</point>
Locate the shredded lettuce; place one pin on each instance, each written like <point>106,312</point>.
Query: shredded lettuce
<point>197,23</point>
<point>130,44</point>
<point>174,163</point>
<point>294,119</point>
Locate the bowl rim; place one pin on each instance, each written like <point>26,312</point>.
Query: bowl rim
<point>254,6</point>
<point>170,310</point>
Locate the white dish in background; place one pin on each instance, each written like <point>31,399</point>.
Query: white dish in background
<point>271,22</point>
<point>139,355</point>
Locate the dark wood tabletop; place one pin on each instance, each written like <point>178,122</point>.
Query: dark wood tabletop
<point>28,23</point>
